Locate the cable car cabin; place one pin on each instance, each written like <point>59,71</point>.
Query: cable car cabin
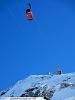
<point>29,14</point>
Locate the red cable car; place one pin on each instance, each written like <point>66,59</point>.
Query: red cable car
<point>29,13</point>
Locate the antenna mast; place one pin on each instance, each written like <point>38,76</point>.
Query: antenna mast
<point>58,71</point>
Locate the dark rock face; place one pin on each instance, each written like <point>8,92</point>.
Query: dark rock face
<point>39,92</point>
<point>65,85</point>
<point>45,91</point>
<point>3,92</point>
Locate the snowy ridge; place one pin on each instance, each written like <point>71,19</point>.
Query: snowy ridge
<point>53,87</point>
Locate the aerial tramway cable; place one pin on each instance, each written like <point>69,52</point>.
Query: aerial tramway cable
<point>38,28</point>
<point>28,23</point>
<point>36,23</point>
<point>15,18</point>
<point>24,16</point>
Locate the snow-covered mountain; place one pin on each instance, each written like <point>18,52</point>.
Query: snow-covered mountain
<point>53,87</point>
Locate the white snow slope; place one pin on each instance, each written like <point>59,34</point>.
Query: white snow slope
<point>55,87</point>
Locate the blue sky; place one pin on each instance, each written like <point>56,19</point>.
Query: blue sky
<point>37,46</point>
